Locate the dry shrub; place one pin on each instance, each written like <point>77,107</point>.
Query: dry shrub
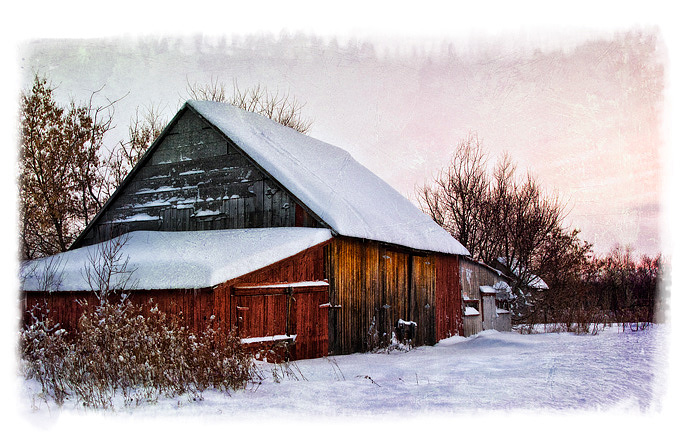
<point>44,350</point>
<point>134,351</point>
<point>396,340</point>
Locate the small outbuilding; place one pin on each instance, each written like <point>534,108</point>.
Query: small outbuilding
<point>484,291</point>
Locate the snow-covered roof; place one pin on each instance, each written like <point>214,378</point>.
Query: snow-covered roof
<point>349,198</point>
<point>173,260</point>
<point>534,282</point>
<point>469,310</point>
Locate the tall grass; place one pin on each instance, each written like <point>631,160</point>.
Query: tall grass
<point>129,350</point>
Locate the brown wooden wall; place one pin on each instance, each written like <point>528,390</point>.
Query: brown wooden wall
<point>354,289</point>
<point>379,284</point>
<point>449,319</point>
<point>308,265</point>
<point>472,276</point>
<point>63,306</point>
<point>472,324</point>
<point>193,306</point>
<point>308,320</point>
<point>196,306</point>
<point>423,302</point>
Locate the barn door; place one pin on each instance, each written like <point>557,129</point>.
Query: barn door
<point>263,315</point>
<point>489,312</point>
<point>312,308</point>
<point>288,321</point>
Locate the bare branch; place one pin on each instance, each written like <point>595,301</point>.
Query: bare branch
<point>282,108</point>
<point>107,270</point>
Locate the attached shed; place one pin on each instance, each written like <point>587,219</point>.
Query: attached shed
<point>204,277</point>
<point>480,286</point>
<point>372,263</point>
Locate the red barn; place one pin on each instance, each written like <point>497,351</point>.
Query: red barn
<point>232,217</point>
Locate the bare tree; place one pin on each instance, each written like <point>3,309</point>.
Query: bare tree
<point>61,174</point>
<point>494,215</point>
<point>214,91</point>
<point>145,127</point>
<point>280,107</point>
<point>87,125</point>
<point>455,199</point>
<point>107,272</point>
<point>499,211</point>
<point>534,218</point>
<point>563,263</point>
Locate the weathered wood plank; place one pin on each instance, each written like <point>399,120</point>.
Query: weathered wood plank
<point>194,168</point>
<point>449,308</point>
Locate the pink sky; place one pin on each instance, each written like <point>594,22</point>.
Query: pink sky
<point>584,117</point>
<point>579,99</point>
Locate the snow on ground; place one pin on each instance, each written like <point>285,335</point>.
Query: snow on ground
<point>492,371</point>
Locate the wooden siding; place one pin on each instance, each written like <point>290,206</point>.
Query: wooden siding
<point>368,283</point>
<point>63,307</point>
<point>308,265</point>
<point>355,292</point>
<point>504,322</point>
<point>375,284</point>
<point>472,276</point>
<point>391,303</point>
<point>194,307</point>
<point>489,311</point>
<point>309,320</point>
<point>423,300</point>
<point>472,324</point>
<point>196,179</point>
<point>449,316</point>
<point>311,323</point>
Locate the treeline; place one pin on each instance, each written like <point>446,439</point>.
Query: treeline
<point>509,222</point>
<point>613,288</point>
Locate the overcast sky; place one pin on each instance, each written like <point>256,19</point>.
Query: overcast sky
<point>581,106</point>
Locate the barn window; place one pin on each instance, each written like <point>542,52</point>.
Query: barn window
<point>471,307</point>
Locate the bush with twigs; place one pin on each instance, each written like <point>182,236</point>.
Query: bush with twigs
<point>135,351</point>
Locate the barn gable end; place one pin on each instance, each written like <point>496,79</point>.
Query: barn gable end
<point>194,179</point>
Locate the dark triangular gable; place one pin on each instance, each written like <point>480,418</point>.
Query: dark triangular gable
<point>194,178</point>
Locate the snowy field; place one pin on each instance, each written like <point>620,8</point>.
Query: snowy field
<point>492,374</point>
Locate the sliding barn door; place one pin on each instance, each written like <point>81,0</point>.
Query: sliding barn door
<point>288,319</point>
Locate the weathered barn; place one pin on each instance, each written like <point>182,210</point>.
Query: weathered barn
<point>234,217</point>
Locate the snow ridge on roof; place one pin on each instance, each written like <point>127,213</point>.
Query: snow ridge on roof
<point>535,281</point>
<point>176,260</point>
<point>352,200</point>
